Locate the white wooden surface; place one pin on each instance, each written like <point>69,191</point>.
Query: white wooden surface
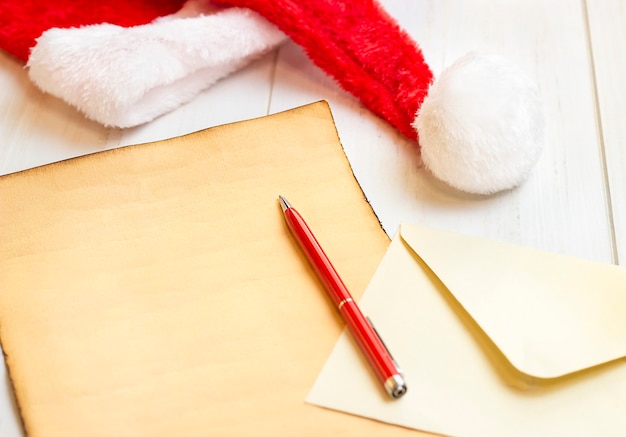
<point>574,201</point>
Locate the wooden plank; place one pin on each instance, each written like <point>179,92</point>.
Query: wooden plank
<point>562,206</point>
<point>608,45</point>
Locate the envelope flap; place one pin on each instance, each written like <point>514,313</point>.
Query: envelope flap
<point>549,314</point>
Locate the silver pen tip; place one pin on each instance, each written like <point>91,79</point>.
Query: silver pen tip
<point>283,203</point>
<point>395,386</point>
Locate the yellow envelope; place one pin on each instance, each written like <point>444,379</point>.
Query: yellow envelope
<point>494,340</point>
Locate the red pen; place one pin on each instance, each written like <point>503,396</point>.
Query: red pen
<point>360,327</point>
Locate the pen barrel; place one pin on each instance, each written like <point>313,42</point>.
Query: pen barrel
<point>317,257</point>
<point>369,342</point>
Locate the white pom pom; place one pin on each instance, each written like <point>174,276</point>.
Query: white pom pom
<point>481,126</point>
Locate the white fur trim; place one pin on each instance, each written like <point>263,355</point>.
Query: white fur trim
<point>481,127</point>
<point>127,76</point>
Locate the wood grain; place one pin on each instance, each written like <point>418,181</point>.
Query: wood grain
<point>608,48</point>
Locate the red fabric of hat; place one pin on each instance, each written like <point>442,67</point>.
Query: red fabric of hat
<point>21,22</point>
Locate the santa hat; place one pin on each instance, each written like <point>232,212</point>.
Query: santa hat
<point>479,125</point>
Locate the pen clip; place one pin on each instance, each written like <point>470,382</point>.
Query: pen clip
<point>384,344</point>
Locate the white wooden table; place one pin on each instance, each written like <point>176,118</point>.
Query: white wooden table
<point>574,201</point>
